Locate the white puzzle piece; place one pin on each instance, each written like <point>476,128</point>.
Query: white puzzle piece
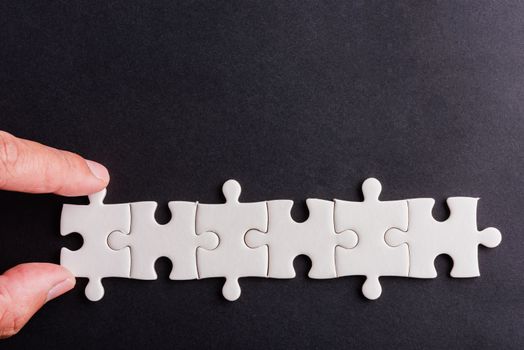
<point>233,240</point>
<point>286,239</point>
<point>457,236</point>
<point>232,259</point>
<point>95,260</point>
<point>176,240</point>
<point>370,219</point>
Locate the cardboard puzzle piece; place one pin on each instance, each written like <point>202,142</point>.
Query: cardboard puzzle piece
<point>370,219</point>
<point>232,258</point>
<point>458,237</point>
<point>95,260</point>
<point>176,240</point>
<point>286,239</point>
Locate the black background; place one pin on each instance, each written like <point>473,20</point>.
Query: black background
<point>294,99</point>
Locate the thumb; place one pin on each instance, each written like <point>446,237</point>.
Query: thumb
<point>26,288</point>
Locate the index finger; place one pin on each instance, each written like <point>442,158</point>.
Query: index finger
<point>28,166</point>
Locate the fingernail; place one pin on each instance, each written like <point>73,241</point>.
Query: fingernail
<point>98,170</point>
<point>60,288</point>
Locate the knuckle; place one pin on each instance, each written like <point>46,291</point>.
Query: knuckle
<point>8,330</point>
<point>9,155</point>
<point>71,160</point>
<point>69,164</point>
<point>10,323</point>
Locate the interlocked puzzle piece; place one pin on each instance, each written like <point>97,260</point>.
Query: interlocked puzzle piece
<point>370,219</point>
<point>232,258</point>
<point>316,238</point>
<point>457,236</point>
<point>372,238</point>
<point>95,260</point>
<point>176,240</point>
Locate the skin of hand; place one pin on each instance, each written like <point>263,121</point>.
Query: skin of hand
<point>27,166</point>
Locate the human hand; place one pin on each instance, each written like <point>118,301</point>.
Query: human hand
<point>27,166</point>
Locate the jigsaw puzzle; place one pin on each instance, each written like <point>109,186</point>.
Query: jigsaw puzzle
<point>95,259</point>
<point>316,238</point>
<point>370,219</point>
<point>457,237</point>
<point>372,238</point>
<point>232,258</point>
<point>176,240</point>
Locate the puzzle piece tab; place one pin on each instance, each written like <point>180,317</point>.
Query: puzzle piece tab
<point>457,236</point>
<point>286,239</point>
<point>370,219</point>
<point>176,240</point>
<point>232,259</point>
<point>95,260</point>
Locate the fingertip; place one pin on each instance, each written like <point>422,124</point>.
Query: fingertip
<point>57,270</point>
<point>99,171</point>
<point>91,177</point>
<point>60,288</point>
<point>37,276</point>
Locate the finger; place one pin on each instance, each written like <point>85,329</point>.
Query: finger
<point>28,166</point>
<point>26,288</point>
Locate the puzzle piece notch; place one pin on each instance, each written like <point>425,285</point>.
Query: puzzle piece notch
<point>232,259</point>
<point>95,260</point>
<point>176,240</point>
<point>315,237</point>
<point>370,219</point>
<point>457,237</point>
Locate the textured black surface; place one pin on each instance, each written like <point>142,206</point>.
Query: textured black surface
<point>294,99</point>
